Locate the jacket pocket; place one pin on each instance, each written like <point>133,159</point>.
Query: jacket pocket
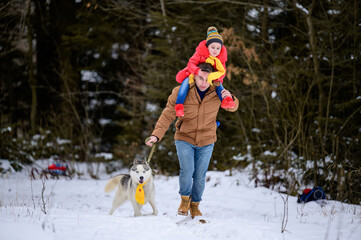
<point>179,125</point>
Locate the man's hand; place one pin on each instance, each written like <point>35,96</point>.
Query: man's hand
<point>225,93</point>
<point>152,139</point>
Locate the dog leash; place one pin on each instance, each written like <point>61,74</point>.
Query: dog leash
<point>152,151</point>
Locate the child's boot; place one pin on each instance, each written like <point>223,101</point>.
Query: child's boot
<point>179,109</point>
<point>228,102</point>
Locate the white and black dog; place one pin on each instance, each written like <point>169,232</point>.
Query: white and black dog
<point>139,179</point>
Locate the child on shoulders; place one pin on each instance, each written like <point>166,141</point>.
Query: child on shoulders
<point>210,51</point>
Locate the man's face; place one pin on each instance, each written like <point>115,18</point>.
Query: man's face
<point>201,80</point>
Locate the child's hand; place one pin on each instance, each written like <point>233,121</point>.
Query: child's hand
<point>225,93</point>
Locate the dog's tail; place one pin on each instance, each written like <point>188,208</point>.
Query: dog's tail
<point>112,184</point>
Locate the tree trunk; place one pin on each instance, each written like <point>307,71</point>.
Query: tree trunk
<point>355,29</point>
<point>316,67</point>
<point>31,78</point>
<point>264,23</point>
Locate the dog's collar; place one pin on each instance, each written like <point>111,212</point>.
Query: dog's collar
<point>139,193</point>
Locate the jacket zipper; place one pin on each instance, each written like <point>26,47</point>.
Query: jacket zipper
<point>180,124</point>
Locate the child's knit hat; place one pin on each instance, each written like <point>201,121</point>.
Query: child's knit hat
<point>213,36</point>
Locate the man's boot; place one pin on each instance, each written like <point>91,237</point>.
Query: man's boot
<point>184,205</point>
<point>195,210</point>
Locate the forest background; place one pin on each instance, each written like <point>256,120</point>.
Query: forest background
<point>82,79</point>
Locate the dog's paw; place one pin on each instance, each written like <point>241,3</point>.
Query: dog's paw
<point>137,214</point>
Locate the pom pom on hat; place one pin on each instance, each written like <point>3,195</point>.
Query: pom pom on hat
<point>213,36</point>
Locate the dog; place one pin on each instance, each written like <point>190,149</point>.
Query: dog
<point>140,179</point>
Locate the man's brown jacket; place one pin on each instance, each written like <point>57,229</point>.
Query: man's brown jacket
<point>198,126</point>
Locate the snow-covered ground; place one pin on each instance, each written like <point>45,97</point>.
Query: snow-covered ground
<point>232,206</point>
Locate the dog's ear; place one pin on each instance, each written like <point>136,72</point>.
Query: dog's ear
<point>146,167</point>
<point>137,161</point>
<point>145,161</point>
<point>145,164</point>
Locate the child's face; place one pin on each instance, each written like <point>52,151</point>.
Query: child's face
<point>214,49</point>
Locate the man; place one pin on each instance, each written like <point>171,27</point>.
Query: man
<point>194,137</point>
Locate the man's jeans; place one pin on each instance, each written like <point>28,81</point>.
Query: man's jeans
<point>194,163</point>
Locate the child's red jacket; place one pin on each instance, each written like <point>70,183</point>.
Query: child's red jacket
<point>199,57</point>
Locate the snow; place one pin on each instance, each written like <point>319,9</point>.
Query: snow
<point>269,153</point>
<point>7,129</point>
<point>107,156</point>
<point>253,13</point>
<point>252,28</point>
<point>256,130</point>
<point>62,141</point>
<point>105,121</point>
<point>273,94</point>
<point>90,76</point>
<point>232,206</point>
<point>333,12</point>
<point>151,107</point>
<point>299,6</point>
